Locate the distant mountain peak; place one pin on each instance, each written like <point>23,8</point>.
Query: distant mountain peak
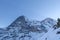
<point>24,29</point>
<point>21,18</point>
<point>48,23</point>
<point>48,19</point>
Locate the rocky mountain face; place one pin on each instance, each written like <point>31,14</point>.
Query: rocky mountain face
<point>24,29</point>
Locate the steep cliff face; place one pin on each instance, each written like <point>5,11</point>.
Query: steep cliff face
<point>24,29</point>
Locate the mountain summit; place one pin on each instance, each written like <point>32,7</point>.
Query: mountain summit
<point>24,29</point>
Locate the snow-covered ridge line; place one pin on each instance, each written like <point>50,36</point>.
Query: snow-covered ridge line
<point>24,29</point>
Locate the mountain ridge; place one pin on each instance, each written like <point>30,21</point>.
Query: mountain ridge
<point>24,28</point>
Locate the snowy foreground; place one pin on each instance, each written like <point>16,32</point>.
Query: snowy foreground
<point>51,35</point>
<point>24,29</point>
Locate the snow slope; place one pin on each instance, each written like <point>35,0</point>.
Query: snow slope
<point>51,35</point>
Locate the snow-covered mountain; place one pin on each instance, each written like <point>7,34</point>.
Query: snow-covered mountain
<point>48,23</point>
<point>25,29</point>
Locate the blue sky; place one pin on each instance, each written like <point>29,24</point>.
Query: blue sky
<point>33,9</point>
